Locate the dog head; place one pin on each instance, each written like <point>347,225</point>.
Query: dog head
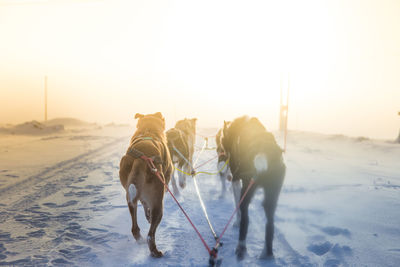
<point>220,135</point>
<point>150,122</point>
<point>225,138</point>
<point>187,125</point>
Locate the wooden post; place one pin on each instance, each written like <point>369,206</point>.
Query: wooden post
<point>45,98</point>
<point>283,113</point>
<point>286,113</point>
<point>398,137</point>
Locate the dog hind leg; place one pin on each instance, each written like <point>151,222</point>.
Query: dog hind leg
<point>270,202</point>
<point>131,192</point>
<point>244,220</point>
<point>131,195</point>
<point>147,212</point>
<point>236,187</point>
<point>156,216</point>
<point>271,195</point>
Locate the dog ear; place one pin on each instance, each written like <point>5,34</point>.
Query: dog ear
<point>194,120</point>
<point>158,114</point>
<point>139,116</point>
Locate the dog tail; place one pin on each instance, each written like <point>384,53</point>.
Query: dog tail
<point>132,176</point>
<point>132,192</point>
<point>268,153</point>
<point>261,162</point>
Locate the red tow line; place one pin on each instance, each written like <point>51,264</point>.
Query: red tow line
<point>212,252</point>
<point>235,211</point>
<point>153,168</point>
<point>205,162</point>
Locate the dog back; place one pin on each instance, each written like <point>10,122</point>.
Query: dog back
<point>252,148</point>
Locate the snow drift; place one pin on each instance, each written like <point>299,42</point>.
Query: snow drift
<point>32,128</point>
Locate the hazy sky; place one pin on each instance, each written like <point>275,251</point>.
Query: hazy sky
<point>214,60</point>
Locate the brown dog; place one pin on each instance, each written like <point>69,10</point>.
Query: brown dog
<point>182,137</point>
<point>139,181</point>
<point>178,145</point>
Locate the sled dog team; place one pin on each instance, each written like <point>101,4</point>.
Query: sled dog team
<point>252,152</point>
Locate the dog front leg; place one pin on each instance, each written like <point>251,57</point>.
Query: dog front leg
<point>173,182</point>
<point>182,176</point>
<point>223,186</point>
<point>222,177</point>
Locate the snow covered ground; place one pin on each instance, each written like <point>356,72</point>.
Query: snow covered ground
<point>61,203</point>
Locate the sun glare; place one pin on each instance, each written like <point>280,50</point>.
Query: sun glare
<point>212,59</point>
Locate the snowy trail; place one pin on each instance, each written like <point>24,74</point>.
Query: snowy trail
<point>74,213</point>
<point>41,223</point>
<point>179,242</point>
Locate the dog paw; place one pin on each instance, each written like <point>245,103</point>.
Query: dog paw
<point>156,253</point>
<point>180,198</point>
<point>141,241</point>
<point>138,238</point>
<point>266,255</point>
<point>176,192</point>
<point>136,235</point>
<point>182,185</point>
<point>240,252</point>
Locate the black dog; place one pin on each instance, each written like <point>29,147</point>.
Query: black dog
<point>255,154</point>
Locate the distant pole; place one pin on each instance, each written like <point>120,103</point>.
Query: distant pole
<point>281,109</point>
<point>281,84</point>
<point>398,137</point>
<point>283,112</point>
<point>287,112</point>
<point>45,98</point>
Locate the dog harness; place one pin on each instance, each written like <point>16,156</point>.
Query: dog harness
<point>135,153</point>
<point>172,148</point>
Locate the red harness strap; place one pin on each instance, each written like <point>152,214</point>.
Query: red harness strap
<point>217,244</point>
<point>205,162</point>
<point>153,168</point>
<point>212,252</point>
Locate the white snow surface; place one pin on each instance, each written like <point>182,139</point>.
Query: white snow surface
<point>339,206</point>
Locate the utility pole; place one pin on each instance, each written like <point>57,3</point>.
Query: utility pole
<point>45,98</point>
<point>398,137</point>
<point>287,112</point>
<point>283,113</point>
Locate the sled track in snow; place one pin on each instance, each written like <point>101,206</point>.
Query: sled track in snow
<point>52,179</point>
